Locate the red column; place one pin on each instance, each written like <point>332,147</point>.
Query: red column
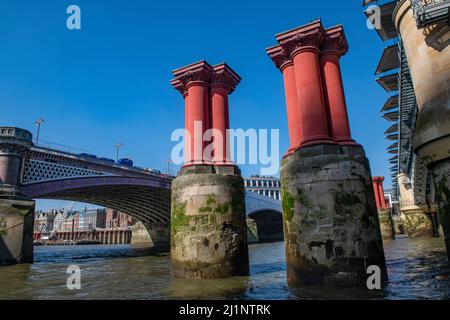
<point>381,193</point>
<point>219,108</point>
<point>376,192</point>
<point>223,83</point>
<point>196,115</point>
<point>286,66</point>
<point>193,82</point>
<point>303,47</point>
<point>187,142</point>
<point>334,46</point>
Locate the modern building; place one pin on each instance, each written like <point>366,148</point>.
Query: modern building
<point>90,219</point>
<point>266,186</point>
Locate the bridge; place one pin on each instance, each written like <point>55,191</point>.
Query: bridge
<point>144,194</point>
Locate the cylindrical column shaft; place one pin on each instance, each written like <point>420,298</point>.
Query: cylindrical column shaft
<point>187,142</point>
<point>381,194</point>
<point>292,107</point>
<point>220,122</point>
<point>376,192</point>
<point>197,92</point>
<point>335,97</point>
<point>313,112</point>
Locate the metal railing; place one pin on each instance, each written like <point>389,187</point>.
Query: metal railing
<point>428,12</point>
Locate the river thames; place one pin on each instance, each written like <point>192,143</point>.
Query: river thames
<point>417,269</point>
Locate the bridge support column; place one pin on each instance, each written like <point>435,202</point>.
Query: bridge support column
<point>384,213</point>
<point>332,231</point>
<point>331,227</point>
<point>428,55</point>
<point>286,66</point>
<point>208,222</point>
<point>16,210</point>
<point>416,218</point>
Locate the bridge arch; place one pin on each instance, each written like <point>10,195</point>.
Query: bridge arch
<point>147,200</point>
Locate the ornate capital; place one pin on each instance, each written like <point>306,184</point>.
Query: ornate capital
<point>279,57</point>
<point>179,86</point>
<point>335,40</point>
<point>302,41</point>
<point>307,37</point>
<point>199,72</point>
<point>225,77</point>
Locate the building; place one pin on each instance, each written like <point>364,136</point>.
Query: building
<point>266,186</point>
<point>116,219</point>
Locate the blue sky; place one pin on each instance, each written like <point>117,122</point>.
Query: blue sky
<point>109,82</point>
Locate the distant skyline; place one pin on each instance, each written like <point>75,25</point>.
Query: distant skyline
<point>108,83</point>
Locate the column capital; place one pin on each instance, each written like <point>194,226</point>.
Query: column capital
<point>305,38</point>
<point>279,57</point>
<point>335,41</point>
<point>381,179</point>
<point>224,76</point>
<point>199,73</point>
<point>179,86</point>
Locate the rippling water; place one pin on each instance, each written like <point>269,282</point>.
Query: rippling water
<point>416,268</point>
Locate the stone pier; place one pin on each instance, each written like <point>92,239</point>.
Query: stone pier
<point>428,54</point>
<point>16,211</point>
<point>384,212</point>
<point>331,225</point>
<point>208,221</point>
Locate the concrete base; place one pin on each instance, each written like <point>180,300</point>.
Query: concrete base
<point>208,223</point>
<point>441,178</point>
<point>16,230</point>
<point>331,227</point>
<point>386,224</point>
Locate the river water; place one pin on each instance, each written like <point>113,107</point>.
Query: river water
<point>417,269</point>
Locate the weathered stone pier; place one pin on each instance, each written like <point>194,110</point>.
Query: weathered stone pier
<point>384,213</point>
<point>428,53</point>
<point>208,221</point>
<point>16,210</point>
<point>331,225</point>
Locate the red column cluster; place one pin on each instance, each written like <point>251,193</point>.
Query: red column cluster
<point>308,57</point>
<point>205,89</point>
<point>379,192</point>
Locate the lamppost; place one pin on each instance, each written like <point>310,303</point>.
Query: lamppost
<point>118,147</point>
<point>38,123</point>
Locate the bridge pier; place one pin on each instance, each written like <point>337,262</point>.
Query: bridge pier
<point>384,212</point>
<point>16,210</point>
<point>428,55</point>
<point>208,218</point>
<point>331,225</point>
<point>208,225</point>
